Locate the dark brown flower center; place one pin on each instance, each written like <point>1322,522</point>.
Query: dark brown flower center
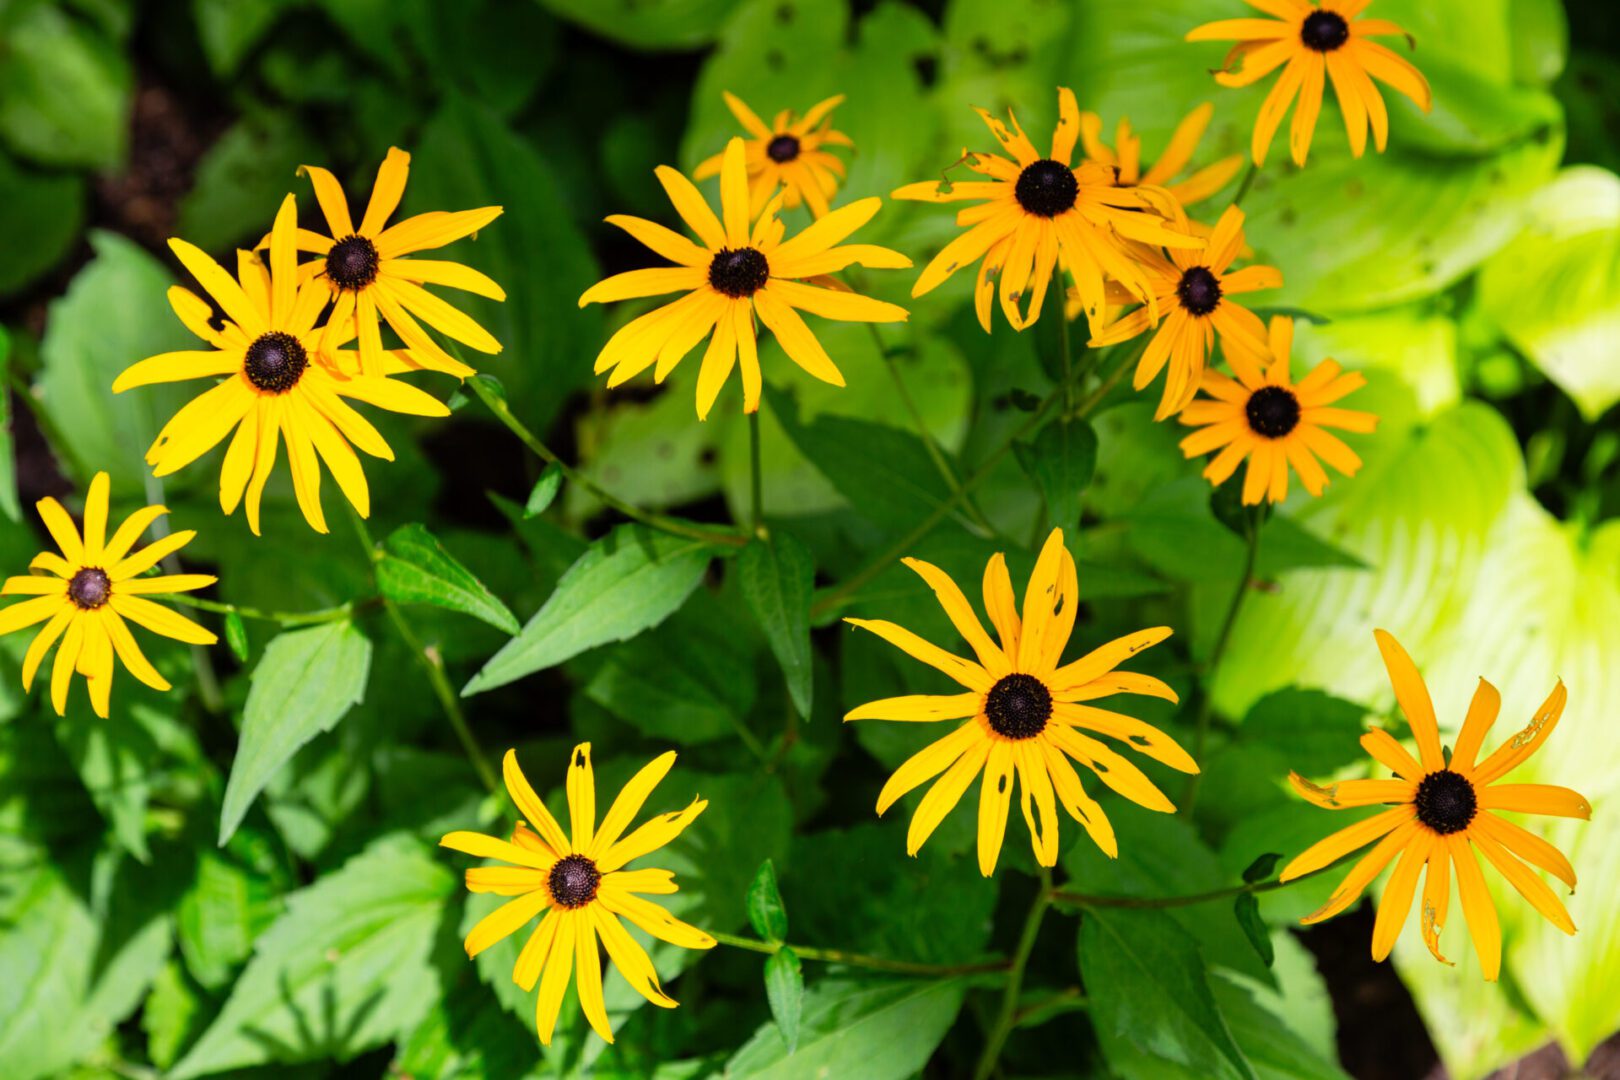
<point>1324,31</point>
<point>783,148</point>
<point>574,881</point>
<point>89,588</point>
<point>1446,802</point>
<point>1046,188</point>
<point>275,362</point>
<point>1018,706</point>
<point>1199,291</point>
<point>1272,412</point>
<point>738,272</point>
<point>352,263</point>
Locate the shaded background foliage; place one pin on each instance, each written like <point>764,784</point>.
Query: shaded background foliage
<point>1471,271</point>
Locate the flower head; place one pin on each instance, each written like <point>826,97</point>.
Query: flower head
<point>1264,416</point>
<point>577,882</point>
<point>732,275</point>
<point>788,154</point>
<point>1038,216</point>
<point>1125,157</point>
<point>371,276</point>
<point>88,591</point>
<point>1196,288</point>
<point>1444,812</point>
<point>282,379</point>
<point>1318,42</point>
<point>1024,712</point>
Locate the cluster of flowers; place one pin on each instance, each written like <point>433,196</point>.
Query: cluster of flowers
<point>1120,233</point>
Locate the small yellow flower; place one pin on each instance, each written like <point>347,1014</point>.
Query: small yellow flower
<point>370,274</point>
<point>1038,216</point>
<point>1273,422</point>
<point>1444,813</point>
<point>89,590</point>
<point>1318,42</point>
<point>1025,712</point>
<point>279,383</point>
<point>577,881</point>
<point>733,275</point>
<point>1125,157</point>
<point>787,153</point>
<point>1196,287</point>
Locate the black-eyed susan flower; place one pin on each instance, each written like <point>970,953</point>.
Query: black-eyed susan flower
<point>787,153</point>
<point>1444,812</point>
<point>1264,416</point>
<point>1038,216</point>
<point>1024,712</point>
<point>1125,157</point>
<point>1195,287</point>
<point>371,275</point>
<point>278,385</point>
<point>577,883</point>
<point>85,595</point>
<point>732,275</point>
<point>1318,42</point>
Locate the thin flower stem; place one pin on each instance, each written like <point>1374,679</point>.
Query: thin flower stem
<point>1007,1016</point>
<point>1206,696</point>
<point>1248,179</point>
<point>861,960</point>
<point>756,484</point>
<point>432,664</point>
<point>503,413</point>
<point>284,618</point>
<point>1063,896</point>
<point>1068,353</point>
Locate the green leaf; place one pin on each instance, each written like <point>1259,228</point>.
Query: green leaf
<point>41,215</point>
<point>304,684</point>
<point>668,24</point>
<point>625,582</point>
<point>466,1036</point>
<point>236,636</point>
<point>1061,460</point>
<point>766,912</point>
<point>226,908</point>
<point>416,569</point>
<point>172,1015</point>
<point>777,578</point>
<point>784,989</point>
<point>1247,910</point>
<point>8,470</point>
<point>878,1031</point>
<point>544,491</point>
<point>345,969</point>
<point>1318,733</point>
<point>1261,868</point>
<point>1148,985</point>
<point>249,168</point>
<point>64,88</point>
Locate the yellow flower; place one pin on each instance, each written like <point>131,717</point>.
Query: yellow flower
<point>1196,287</point>
<point>1266,417</point>
<point>1024,712</point>
<point>1442,811</point>
<point>370,275</point>
<point>1317,42</point>
<point>578,882</point>
<point>787,153</point>
<point>1038,216</point>
<point>732,276</point>
<point>88,591</point>
<point>279,384</point>
<point>1125,157</point>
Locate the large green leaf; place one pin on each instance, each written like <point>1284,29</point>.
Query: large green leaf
<point>416,569</point>
<point>244,175</point>
<point>345,969</point>
<point>304,684</point>
<point>659,24</point>
<point>777,577</point>
<point>64,88</point>
<point>40,216</point>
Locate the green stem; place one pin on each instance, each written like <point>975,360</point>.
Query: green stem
<point>1248,178</point>
<point>756,484</point>
<point>1088,900</point>
<point>674,526</point>
<point>1068,354</point>
<point>285,618</point>
<point>1206,697</point>
<point>861,960</point>
<point>432,664</point>
<point>1007,1016</point>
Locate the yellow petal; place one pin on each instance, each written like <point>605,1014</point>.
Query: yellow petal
<point>628,804</point>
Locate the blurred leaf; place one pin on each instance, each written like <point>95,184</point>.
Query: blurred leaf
<point>1061,459</point>
<point>640,24</point>
<point>784,989</point>
<point>41,215</point>
<point>236,636</point>
<point>8,468</point>
<point>172,1015</point>
<point>345,969</point>
<point>544,491</point>
<point>777,576</point>
<point>629,580</point>
<point>466,1036</point>
<point>243,176</point>
<point>304,684</point>
<point>64,88</point>
<point>1148,986</point>
<point>766,913</point>
<point>877,1031</point>
<point>1261,868</point>
<point>115,758</point>
<point>415,569</point>
<point>1247,910</point>
<point>1317,733</point>
<point>221,914</point>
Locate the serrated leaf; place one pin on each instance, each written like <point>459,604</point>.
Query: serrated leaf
<point>304,684</point>
<point>1247,910</point>
<point>416,569</point>
<point>544,491</point>
<point>633,578</point>
<point>346,968</point>
<point>1061,460</point>
<point>778,578</point>
<point>784,989</point>
<point>766,912</point>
